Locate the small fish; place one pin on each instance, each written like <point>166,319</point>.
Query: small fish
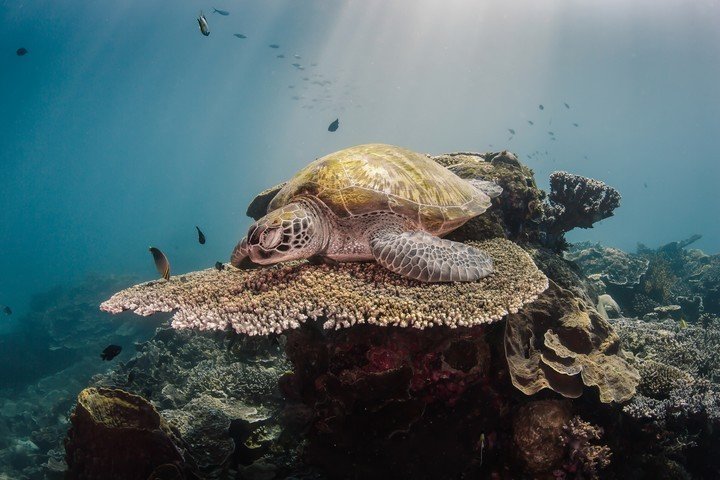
<point>161,263</point>
<point>110,352</point>
<point>566,105</point>
<point>202,22</point>
<point>297,56</point>
<point>334,125</point>
<point>575,125</point>
<point>296,65</point>
<point>531,122</point>
<point>551,134</point>
<point>683,324</point>
<point>224,13</point>
<point>280,56</point>
<point>7,310</point>
<point>239,35</point>
<point>511,131</point>
<point>482,447</point>
<point>219,266</point>
<point>201,235</point>
<point>541,107</point>
<point>21,52</point>
<point>274,45</point>
<point>645,184</point>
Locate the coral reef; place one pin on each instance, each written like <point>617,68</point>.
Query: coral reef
<point>611,265</point>
<point>218,393</point>
<point>576,201</point>
<point>518,206</point>
<point>279,298</point>
<point>104,420</point>
<point>651,282</point>
<point>586,457</point>
<point>47,361</point>
<point>561,343</point>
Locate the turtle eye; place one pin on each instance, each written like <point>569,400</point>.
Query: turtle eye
<point>271,238</point>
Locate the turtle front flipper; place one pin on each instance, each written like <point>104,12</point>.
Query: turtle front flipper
<point>258,208</point>
<point>421,256</point>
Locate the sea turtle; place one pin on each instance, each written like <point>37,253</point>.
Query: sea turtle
<point>371,202</point>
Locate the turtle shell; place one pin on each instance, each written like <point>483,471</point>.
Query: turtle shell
<point>376,177</point>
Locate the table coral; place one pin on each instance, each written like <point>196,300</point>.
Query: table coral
<point>281,297</point>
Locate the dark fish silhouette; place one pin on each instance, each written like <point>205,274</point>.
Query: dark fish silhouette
<point>110,352</point>
<point>239,35</point>
<point>274,45</point>
<point>551,134</point>
<point>7,310</point>
<point>202,22</point>
<point>645,184</point>
<point>334,125</point>
<point>22,51</point>
<point>280,56</point>
<point>511,131</point>
<point>575,125</point>
<point>296,65</point>
<point>541,107</point>
<point>201,236</point>
<point>161,263</point>
<point>224,13</point>
<point>566,105</point>
<point>219,266</point>
<point>531,122</point>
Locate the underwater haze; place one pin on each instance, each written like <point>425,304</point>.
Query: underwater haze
<point>124,127</point>
<point>126,124</point>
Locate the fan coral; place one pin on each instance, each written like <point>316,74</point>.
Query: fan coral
<point>561,343</point>
<point>279,298</point>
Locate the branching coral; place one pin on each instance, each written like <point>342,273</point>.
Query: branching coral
<point>580,438</point>
<point>559,342</point>
<point>278,298</point>
<point>576,201</point>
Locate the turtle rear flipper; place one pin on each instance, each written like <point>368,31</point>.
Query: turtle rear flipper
<point>259,206</point>
<point>421,256</point>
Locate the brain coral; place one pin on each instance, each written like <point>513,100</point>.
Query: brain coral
<point>277,298</point>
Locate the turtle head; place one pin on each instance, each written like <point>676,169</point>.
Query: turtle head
<point>292,232</point>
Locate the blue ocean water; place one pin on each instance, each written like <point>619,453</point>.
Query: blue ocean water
<point>123,127</point>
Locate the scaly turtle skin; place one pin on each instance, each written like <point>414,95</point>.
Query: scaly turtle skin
<point>371,202</point>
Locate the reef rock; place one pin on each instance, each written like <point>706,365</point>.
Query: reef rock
<point>537,434</point>
<point>280,297</point>
<point>116,434</point>
<point>562,343</point>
